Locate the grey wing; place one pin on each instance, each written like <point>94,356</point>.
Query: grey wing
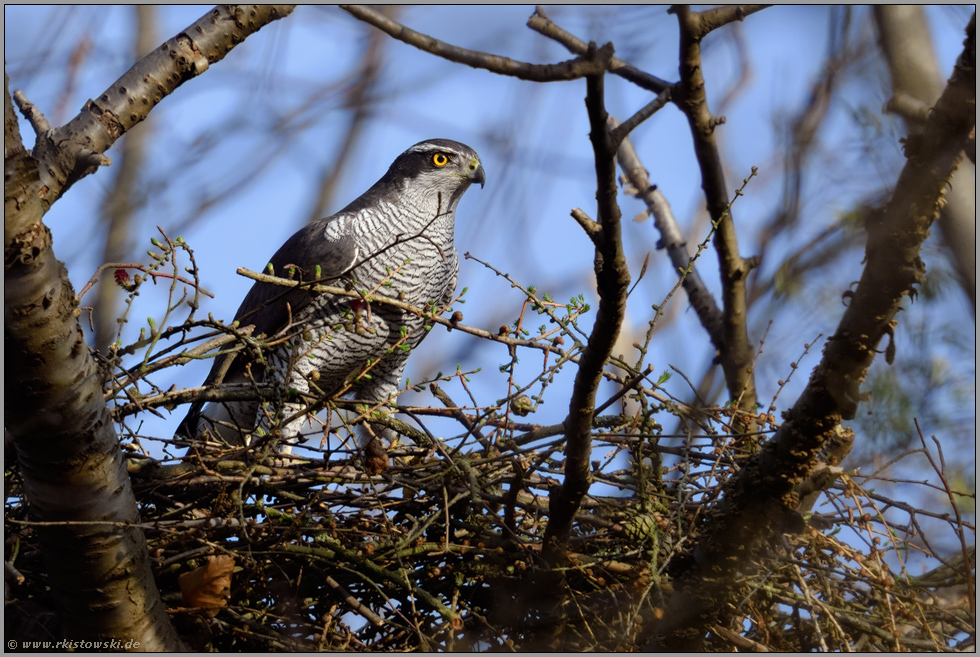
<point>265,305</point>
<point>268,306</point>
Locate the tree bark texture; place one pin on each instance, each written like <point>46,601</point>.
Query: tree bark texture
<point>74,474</point>
<point>903,33</point>
<point>81,500</point>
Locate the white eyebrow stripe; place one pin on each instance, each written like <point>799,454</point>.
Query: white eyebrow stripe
<point>432,148</point>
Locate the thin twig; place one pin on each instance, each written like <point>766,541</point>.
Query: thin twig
<point>618,133</point>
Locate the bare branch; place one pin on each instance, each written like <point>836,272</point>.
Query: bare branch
<point>30,111</point>
<point>570,70</point>
<point>73,470</point>
<point>139,267</point>
<point>712,19</point>
<point>738,640</point>
<point>689,95</point>
<point>226,392</point>
<point>672,239</point>
<point>940,470</point>
<point>69,153</point>
<point>433,317</point>
<point>622,130</point>
<point>612,283</point>
<point>539,22</point>
<point>632,384</point>
<point>588,224</point>
<point>908,107</point>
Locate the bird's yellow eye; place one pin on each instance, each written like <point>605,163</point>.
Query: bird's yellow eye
<point>440,159</point>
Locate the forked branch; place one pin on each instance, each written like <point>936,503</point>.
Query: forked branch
<point>67,154</point>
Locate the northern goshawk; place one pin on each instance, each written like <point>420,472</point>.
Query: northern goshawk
<point>396,241</point>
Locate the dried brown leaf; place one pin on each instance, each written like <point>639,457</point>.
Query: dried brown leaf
<point>209,586</point>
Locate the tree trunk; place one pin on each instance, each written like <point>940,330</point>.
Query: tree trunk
<point>74,473</point>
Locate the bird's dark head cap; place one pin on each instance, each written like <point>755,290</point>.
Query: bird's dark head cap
<point>441,154</point>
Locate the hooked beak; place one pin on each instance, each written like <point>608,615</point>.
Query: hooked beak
<point>475,172</point>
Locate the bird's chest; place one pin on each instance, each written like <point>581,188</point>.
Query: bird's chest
<point>413,260</point>
<point>337,332</point>
<point>337,336</point>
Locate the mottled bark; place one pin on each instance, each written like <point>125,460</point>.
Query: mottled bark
<point>74,473</point>
<point>903,33</point>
